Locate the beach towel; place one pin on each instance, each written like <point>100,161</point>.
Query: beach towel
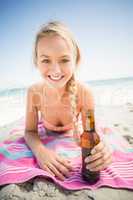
<point>18,164</point>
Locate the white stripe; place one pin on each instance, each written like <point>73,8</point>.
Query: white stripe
<point>15,146</point>
<point>124,178</point>
<point>10,168</point>
<point>121,175</point>
<point>118,170</point>
<point>122,162</point>
<point>70,180</point>
<point>23,169</point>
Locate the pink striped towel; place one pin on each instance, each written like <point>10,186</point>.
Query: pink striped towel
<point>18,164</point>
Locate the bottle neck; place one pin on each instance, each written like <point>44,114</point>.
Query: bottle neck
<point>90,121</point>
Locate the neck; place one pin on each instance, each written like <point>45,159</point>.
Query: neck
<point>57,91</point>
<point>60,91</point>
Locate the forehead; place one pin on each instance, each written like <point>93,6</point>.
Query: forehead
<point>50,45</point>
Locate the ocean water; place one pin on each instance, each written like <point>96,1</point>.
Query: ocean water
<point>12,105</point>
<point>112,92</point>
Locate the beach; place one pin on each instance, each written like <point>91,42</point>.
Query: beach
<point>120,119</point>
<point>109,113</point>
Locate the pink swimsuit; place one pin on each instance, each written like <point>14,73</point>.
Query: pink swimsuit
<point>57,128</point>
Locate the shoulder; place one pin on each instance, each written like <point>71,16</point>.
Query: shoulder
<point>36,88</point>
<point>35,93</point>
<point>84,88</point>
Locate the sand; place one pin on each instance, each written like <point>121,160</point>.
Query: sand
<point>118,117</point>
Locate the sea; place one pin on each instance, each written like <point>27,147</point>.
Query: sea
<point>111,92</point>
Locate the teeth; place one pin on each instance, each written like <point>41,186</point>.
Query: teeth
<point>55,78</point>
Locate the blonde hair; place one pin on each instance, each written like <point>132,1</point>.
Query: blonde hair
<point>57,28</point>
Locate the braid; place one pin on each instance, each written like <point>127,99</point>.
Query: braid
<point>72,89</point>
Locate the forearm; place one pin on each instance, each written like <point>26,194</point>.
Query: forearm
<point>33,141</point>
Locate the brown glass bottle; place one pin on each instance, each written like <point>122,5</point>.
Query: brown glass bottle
<point>88,140</point>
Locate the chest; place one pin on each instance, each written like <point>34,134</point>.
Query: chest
<point>58,113</point>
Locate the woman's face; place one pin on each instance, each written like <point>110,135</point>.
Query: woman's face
<point>55,60</point>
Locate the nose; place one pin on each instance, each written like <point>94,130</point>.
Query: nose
<point>56,69</point>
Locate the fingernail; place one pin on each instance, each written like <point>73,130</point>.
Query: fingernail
<point>87,159</point>
<point>93,151</point>
<point>62,178</point>
<point>87,167</point>
<point>68,175</point>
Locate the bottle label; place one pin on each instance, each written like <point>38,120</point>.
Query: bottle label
<point>88,123</point>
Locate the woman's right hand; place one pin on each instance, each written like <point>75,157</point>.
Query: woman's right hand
<point>53,163</point>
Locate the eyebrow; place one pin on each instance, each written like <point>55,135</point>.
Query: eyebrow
<point>49,56</point>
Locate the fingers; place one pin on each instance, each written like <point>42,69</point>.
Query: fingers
<point>48,170</point>
<point>62,168</point>
<point>104,153</point>
<point>101,157</point>
<point>63,165</point>
<point>59,167</point>
<point>56,171</point>
<point>100,163</point>
<point>98,147</point>
<point>97,152</point>
<point>64,162</point>
<point>54,164</point>
<point>94,157</point>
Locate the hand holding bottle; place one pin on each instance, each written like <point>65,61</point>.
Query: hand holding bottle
<point>100,158</point>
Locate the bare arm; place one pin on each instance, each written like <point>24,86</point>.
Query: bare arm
<point>31,133</point>
<point>33,141</point>
<point>46,158</point>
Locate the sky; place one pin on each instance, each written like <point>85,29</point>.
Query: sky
<point>103,30</point>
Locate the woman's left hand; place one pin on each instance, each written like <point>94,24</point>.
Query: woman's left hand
<point>100,158</point>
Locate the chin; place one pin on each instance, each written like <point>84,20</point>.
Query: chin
<point>56,85</point>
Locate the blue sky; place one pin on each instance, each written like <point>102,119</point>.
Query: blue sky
<point>103,29</point>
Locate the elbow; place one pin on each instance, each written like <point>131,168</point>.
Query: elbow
<point>29,133</point>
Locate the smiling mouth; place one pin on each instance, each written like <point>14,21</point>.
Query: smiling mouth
<point>55,78</point>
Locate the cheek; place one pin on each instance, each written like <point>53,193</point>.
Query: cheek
<point>70,69</point>
<point>42,69</point>
<point>68,72</point>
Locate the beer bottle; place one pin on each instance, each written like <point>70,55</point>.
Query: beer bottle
<point>89,139</point>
